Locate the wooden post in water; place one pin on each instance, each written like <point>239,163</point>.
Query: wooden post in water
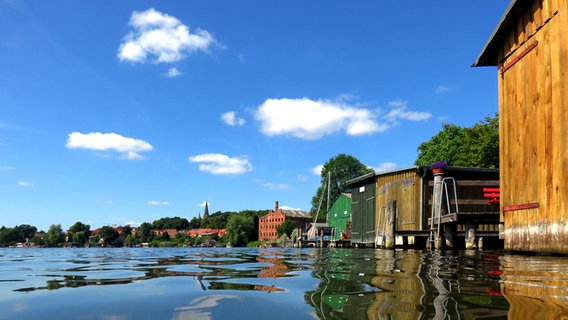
<point>470,235</point>
<point>389,225</point>
<point>450,233</point>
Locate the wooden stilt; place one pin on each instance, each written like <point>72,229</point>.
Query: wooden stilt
<point>470,235</point>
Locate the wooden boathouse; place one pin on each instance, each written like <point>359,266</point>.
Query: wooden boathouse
<point>339,218</point>
<point>530,49</point>
<point>413,207</point>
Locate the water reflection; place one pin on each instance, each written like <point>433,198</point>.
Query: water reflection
<point>402,289</point>
<point>386,284</point>
<point>337,283</point>
<point>535,285</point>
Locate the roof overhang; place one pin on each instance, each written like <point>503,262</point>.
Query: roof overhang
<point>489,54</point>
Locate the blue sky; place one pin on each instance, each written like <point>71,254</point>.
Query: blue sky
<point>122,112</point>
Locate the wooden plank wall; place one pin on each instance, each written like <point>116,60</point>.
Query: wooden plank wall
<point>404,188</point>
<point>363,215</point>
<point>533,108</point>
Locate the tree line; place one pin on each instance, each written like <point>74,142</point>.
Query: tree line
<point>241,229</point>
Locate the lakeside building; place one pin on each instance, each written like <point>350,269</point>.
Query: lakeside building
<point>268,223</point>
<point>339,217</point>
<point>530,49</point>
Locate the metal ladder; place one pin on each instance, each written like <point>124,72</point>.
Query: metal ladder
<point>436,219</point>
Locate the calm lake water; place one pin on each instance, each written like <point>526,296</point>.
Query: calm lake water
<point>279,283</point>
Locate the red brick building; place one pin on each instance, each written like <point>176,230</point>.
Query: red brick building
<point>267,224</point>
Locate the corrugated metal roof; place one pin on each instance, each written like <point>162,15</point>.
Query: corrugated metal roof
<point>488,56</point>
<point>372,175</point>
<point>364,177</point>
<point>296,213</point>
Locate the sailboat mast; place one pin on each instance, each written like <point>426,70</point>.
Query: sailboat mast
<point>328,190</point>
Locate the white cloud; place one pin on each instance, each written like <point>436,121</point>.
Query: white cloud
<point>7,168</point>
<point>132,156</point>
<point>317,170</point>
<point>202,204</point>
<point>105,202</point>
<point>274,186</point>
<point>384,167</point>
<point>129,147</point>
<point>25,184</point>
<point>442,89</point>
<point>162,36</point>
<point>221,164</point>
<point>133,224</point>
<point>231,119</point>
<point>312,119</point>
<point>158,203</point>
<point>172,73</point>
<point>399,112</point>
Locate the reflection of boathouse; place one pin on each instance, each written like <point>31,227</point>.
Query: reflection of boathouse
<point>530,49</point>
<point>414,207</point>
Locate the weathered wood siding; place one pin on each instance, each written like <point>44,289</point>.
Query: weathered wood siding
<point>403,187</point>
<point>363,212</point>
<point>533,109</point>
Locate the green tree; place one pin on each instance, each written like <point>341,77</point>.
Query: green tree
<point>286,227</point>
<point>110,237</point>
<point>481,145</point>
<point>80,232</point>
<point>181,238</point>
<point>9,236</point>
<point>217,220</point>
<point>55,236</point>
<point>126,230</point>
<point>240,230</point>
<point>80,237</point>
<point>195,223</point>
<point>475,147</point>
<point>26,231</point>
<point>342,168</point>
<point>131,239</point>
<point>445,145</point>
<point>170,223</point>
<point>79,226</point>
<point>145,230</point>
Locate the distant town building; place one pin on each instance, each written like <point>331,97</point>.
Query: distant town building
<point>268,223</point>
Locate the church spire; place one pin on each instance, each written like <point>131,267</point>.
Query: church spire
<point>206,212</point>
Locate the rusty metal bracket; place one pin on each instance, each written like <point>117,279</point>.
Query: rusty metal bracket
<point>524,206</point>
<point>516,59</point>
